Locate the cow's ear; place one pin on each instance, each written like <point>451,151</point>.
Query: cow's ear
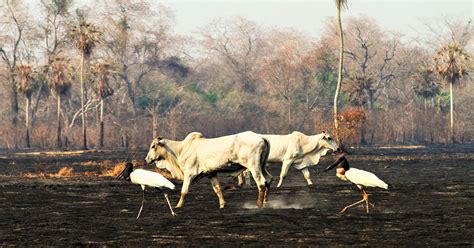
<point>160,137</point>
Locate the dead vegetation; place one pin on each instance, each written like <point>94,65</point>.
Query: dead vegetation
<point>64,172</point>
<point>106,168</point>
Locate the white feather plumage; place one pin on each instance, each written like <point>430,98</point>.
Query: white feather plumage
<point>149,178</point>
<point>364,178</point>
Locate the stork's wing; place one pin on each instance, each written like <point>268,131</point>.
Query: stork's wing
<point>364,178</point>
<point>150,178</point>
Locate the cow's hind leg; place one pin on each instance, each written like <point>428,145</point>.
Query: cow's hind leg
<point>307,176</point>
<point>217,188</point>
<point>260,181</point>
<point>268,183</point>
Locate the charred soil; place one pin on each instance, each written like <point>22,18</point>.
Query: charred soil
<point>430,203</point>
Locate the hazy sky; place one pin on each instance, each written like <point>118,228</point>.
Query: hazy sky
<point>407,17</point>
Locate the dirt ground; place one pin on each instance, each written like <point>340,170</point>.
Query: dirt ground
<point>431,203</point>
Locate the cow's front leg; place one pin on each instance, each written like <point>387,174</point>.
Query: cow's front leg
<point>306,175</point>
<point>184,189</point>
<point>284,170</point>
<point>217,188</point>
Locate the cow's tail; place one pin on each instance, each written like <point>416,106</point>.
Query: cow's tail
<point>263,161</point>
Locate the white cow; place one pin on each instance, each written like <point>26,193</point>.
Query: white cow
<point>299,150</point>
<point>197,156</point>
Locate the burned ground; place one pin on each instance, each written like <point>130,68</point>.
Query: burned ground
<point>430,203</point>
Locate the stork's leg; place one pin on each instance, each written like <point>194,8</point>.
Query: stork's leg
<point>284,170</point>
<point>366,199</point>
<point>168,201</point>
<point>353,204</point>
<point>217,189</point>
<point>306,175</point>
<point>143,202</point>
<point>169,204</point>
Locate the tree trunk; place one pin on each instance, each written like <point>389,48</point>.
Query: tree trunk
<point>289,114</point>
<point>14,104</point>
<point>84,134</point>
<point>58,133</point>
<point>451,108</point>
<point>155,122</point>
<point>425,133</point>
<point>101,123</point>
<point>339,75</point>
<point>27,122</point>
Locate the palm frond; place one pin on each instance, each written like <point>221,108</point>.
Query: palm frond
<point>103,72</point>
<point>452,62</point>
<point>25,85</point>
<point>87,36</point>
<point>60,78</point>
<point>342,4</point>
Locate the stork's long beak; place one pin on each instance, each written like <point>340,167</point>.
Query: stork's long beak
<point>330,167</point>
<point>121,175</point>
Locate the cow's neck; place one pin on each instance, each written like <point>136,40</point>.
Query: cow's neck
<point>175,146</point>
<point>317,139</point>
<point>174,150</point>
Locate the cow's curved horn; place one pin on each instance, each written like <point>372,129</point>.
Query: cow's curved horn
<point>161,142</point>
<point>160,137</point>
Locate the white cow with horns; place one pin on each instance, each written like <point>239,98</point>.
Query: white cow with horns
<point>298,150</point>
<point>196,157</point>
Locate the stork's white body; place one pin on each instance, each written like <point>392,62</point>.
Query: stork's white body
<point>146,178</point>
<point>149,178</point>
<point>362,178</point>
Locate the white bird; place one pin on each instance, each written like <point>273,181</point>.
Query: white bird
<point>360,178</point>
<point>146,178</point>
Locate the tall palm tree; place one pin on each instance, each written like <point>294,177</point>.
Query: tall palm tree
<point>340,4</point>
<point>60,84</point>
<point>103,71</point>
<point>26,87</point>
<point>426,87</point>
<point>451,62</point>
<point>87,36</point>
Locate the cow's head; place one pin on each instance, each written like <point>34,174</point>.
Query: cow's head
<point>328,142</point>
<point>164,157</point>
<point>157,150</point>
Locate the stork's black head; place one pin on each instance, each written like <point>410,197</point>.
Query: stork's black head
<point>125,174</point>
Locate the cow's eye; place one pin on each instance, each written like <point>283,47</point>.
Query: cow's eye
<point>153,147</point>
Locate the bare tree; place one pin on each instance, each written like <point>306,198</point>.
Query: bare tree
<point>10,55</point>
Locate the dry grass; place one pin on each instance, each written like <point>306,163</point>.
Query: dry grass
<point>113,172</point>
<point>105,168</point>
<point>64,172</point>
